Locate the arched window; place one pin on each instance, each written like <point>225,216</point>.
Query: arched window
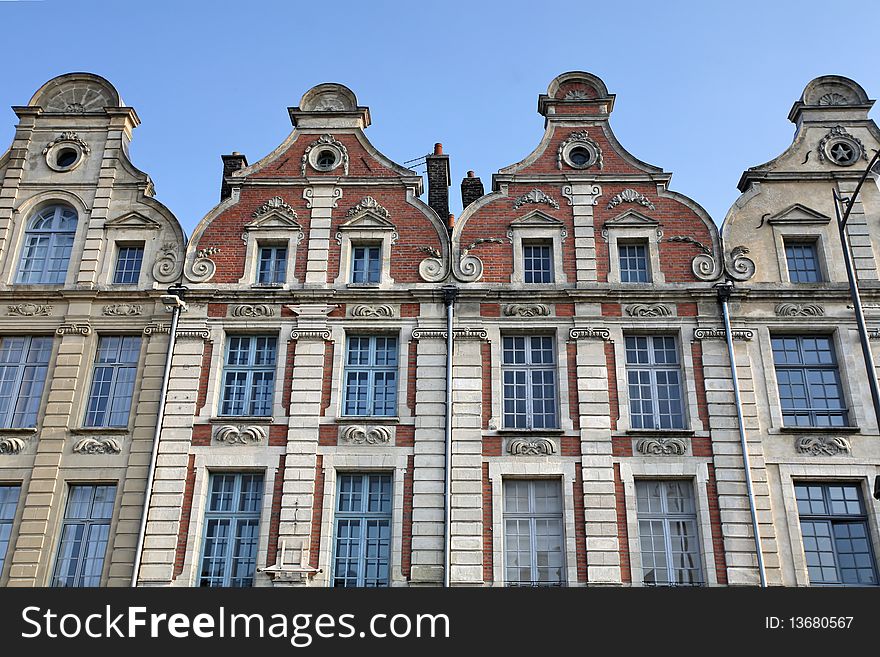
<point>47,245</point>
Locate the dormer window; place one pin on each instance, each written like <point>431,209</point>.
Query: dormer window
<point>366,263</point>
<point>633,258</point>
<point>272,238</point>
<point>47,245</point>
<point>633,248</point>
<point>803,262</point>
<point>537,249</point>
<point>365,242</point>
<point>272,268</point>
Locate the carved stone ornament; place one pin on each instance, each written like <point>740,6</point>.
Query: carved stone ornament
<point>690,240</point>
<point>366,435</point>
<point>155,329</point>
<point>368,204</point>
<point>737,265</point>
<point>595,193</point>
<point>362,310</point>
<point>588,333</point>
<point>822,445</point>
<point>12,444</point>
<point>73,329</point>
<point>575,94</point>
<point>457,334</point>
<point>310,334</point>
<point>325,140</point>
<point>68,137</point>
<point>274,204</point>
<point>526,310</point>
<point>648,310</point>
<point>536,447</point>
<point>253,310</point>
<point>469,268</point>
<point>799,310</point>
<point>630,196</point>
<point>30,310</point>
<point>536,196</point>
<point>841,148</point>
<point>721,334</point>
<point>432,269</point>
<point>202,268</point>
<point>833,98</point>
<point>240,434</point>
<point>671,446</point>
<point>580,139</point>
<point>165,269</point>
<point>98,445</point>
<point>123,309</point>
<point>199,334</point>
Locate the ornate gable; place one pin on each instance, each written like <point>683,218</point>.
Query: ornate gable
<point>798,214</point>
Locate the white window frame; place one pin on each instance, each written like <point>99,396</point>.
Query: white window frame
<point>537,227</point>
<point>366,229</point>
<point>634,227</point>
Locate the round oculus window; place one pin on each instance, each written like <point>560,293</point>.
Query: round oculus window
<point>64,156</point>
<point>843,152</point>
<point>580,155</point>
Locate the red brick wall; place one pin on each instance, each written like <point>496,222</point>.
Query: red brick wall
<point>278,435</point>
<point>715,520</point>
<point>328,435</point>
<point>570,446</point>
<point>486,374</point>
<point>580,519</point>
<point>491,446</point>
<point>205,372</point>
<point>611,366</point>
<point>275,517</point>
<point>573,404</point>
<point>565,310</point>
<point>185,513</point>
<point>410,309</point>
<point>411,375</point>
<point>217,309</point>
<point>404,435</point>
<point>611,310</point>
<point>490,310</point>
<point>700,383</point>
<point>488,557</point>
<point>288,376</point>
<point>406,538</point>
<point>317,512</point>
<point>328,376</point>
<point>201,435</point>
<point>622,531</point>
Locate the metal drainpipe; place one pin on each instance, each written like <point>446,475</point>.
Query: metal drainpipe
<point>450,292</point>
<point>724,291</point>
<point>176,291</point>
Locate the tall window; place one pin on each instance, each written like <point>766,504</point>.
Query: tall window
<point>633,262</point>
<point>113,381</point>
<point>668,533</point>
<point>84,535</point>
<point>47,245</point>
<point>528,369</point>
<point>249,375</point>
<point>834,525</point>
<point>533,539</point>
<point>362,547</point>
<point>232,530</point>
<point>537,262</point>
<point>803,265</point>
<point>8,502</point>
<point>366,263</point>
<point>273,265</point>
<point>128,265</point>
<point>653,373</point>
<point>371,376</point>
<point>809,383</point>
<point>23,365</point>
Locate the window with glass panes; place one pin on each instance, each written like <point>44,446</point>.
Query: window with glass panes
<point>668,536</point>
<point>533,539</point>
<point>371,376</point>
<point>128,265</point>
<point>48,242</point>
<point>113,381</point>
<point>24,362</point>
<point>8,502</point>
<point>834,526</point>
<point>810,392</point>
<point>633,259</point>
<point>249,375</point>
<point>362,541</point>
<point>272,268</point>
<point>528,371</point>
<point>232,530</point>
<point>366,263</point>
<point>653,372</point>
<point>537,262</point>
<point>803,264</point>
<point>84,535</point>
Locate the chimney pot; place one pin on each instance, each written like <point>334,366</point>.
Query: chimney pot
<point>471,174</point>
<point>438,148</point>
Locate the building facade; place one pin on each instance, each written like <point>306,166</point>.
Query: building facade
<point>314,433</point>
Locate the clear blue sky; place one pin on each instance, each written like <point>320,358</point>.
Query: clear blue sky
<point>703,88</point>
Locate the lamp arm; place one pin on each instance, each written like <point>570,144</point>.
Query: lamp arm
<point>851,201</point>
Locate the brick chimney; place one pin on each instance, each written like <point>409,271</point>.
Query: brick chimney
<point>438,181</point>
<point>471,189</point>
<point>231,164</point>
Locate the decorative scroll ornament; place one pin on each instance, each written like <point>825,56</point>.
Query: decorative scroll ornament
<point>583,139</point>
<point>469,268</point>
<point>240,434</point>
<point>11,445</point>
<point>630,196</point>
<point>366,435</point>
<point>737,265</point>
<point>431,269</point>
<point>30,310</point>
<point>154,329</point>
<point>368,204</point>
<point>588,333</point>
<point>457,334</point>
<point>721,334</point>
<point>575,94</point>
<point>274,204</point>
<point>102,445</point>
<point>383,310</point>
<point>822,445</point>
<point>690,240</point>
<point>253,310</point>
<point>799,310</point>
<point>662,446</point>
<point>68,137</point>
<point>165,269</point>
<point>648,310</point>
<point>200,334</point>
<point>202,267</point>
<point>123,309</point>
<point>325,140</point>
<point>526,310</point>
<point>537,447</point>
<point>595,192</point>
<point>535,196</point>
<point>310,334</point>
<point>73,329</point>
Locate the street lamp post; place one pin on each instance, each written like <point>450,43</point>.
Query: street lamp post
<point>848,203</point>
